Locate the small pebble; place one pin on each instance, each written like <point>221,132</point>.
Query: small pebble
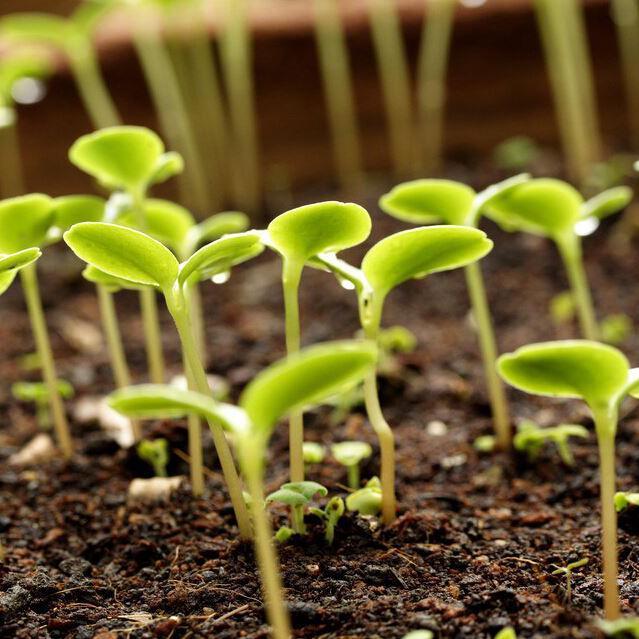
<point>436,428</point>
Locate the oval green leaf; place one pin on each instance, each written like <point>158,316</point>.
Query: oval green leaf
<point>167,165</point>
<point>591,371</point>
<point>608,202</point>
<point>16,261</point>
<point>418,252</point>
<point>73,209</point>
<point>124,253</point>
<point>429,201</point>
<point>308,230</point>
<point>24,222</point>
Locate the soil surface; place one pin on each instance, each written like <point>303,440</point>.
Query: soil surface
<point>477,536</point>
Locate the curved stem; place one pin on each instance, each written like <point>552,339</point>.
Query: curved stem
<point>197,379</point>
<point>606,425</point>
<point>487,344</point>
<point>570,250</point>
<point>291,275</point>
<point>29,280</point>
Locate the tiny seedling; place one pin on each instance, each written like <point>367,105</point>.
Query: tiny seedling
<point>367,500</point>
<point>331,514</point>
<point>601,376</point>
<point>298,236</point>
<point>156,453</point>
<point>38,393</point>
<point>616,329</point>
<point>623,500</point>
<point>432,201</point>
<point>351,455</point>
<point>313,452</point>
<point>567,571</point>
<point>308,377</point>
<point>554,209</point>
<point>530,439</point>
<point>506,633</point>
<point>297,495</point>
<point>627,628</point>
<point>518,153</point>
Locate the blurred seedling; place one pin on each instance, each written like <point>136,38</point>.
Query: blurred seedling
<point>623,500</point>
<point>627,628</point>
<point>38,394</point>
<point>368,500</point>
<point>600,376</point>
<point>305,378</point>
<point>519,153</point>
<point>616,329</point>
<point>351,455</point>
<point>567,571</point>
<point>297,495</point>
<point>313,453</point>
<point>135,257</point>
<point>506,633</point>
<point>298,236</point>
<point>330,515</point>
<point>432,201</point>
<point>531,438</point>
<point>156,453</point>
<point>555,210</point>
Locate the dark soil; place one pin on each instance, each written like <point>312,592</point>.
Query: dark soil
<point>477,536</point>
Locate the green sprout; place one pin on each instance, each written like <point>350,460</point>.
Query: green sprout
<point>297,495</point>
<point>131,255</point>
<point>623,500</point>
<point>299,235</point>
<point>620,628</point>
<point>615,329</point>
<point>554,209</point>
<point>506,633</point>
<point>38,393</point>
<point>530,439</point>
<point>307,377</point>
<point>25,222</point>
<point>567,571</point>
<point>518,153</point>
<point>313,453</point>
<point>332,513</point>
<point>434,201</point>
<point>367,500</point>
<point>396,259</point>
<point>599,375</point>
<point>351,455</point>
<point>156,453</point>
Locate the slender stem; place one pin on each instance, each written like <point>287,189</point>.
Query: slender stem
<point>291,275</point>
<point>606,425</point>
<point>152,335</point>
<point>487,344</point>
<point>267,558</point>
<point>570,250</point>
<point>197,317</point>
<point>297,519</point>
<point>194,425</point>
<point>353,476</point>
<point>391,60</point>
<point>29,280</point>
<point>338,89</point>
<point>431,89</point>
<point>111,329</point>
<point>178,308</point>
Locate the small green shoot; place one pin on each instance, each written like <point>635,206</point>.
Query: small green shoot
<point>562,307</point>
<point>332,513</point>
<point>156,453</point>
<point>368,500</point>
<point>351,455</point>
<point>568,570</point>
<point>625,628</point>
<point>297,495</point>
<point>518,153</point>
<point>601,376</point>
<point>38,393</point>
<point>313,453</point>
<point>283,534</point>
<point>485,444</point>
<point>623,500</point>
<point>530,439</point>
<point>506,633</point>
<point>615,329</point>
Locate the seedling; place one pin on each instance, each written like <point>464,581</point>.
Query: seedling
<point>307,377</point>
<point>156,453</point>
<point>368,500</point>
<point>623,500</point>
<point>434,201</point>
<point>530,439</point>
<point>615,329</point>
<point>599,375</point>
<point>518,153</point>
<point>621,628</point>
<point>38,393</point>
<point>331,514</point>
<point>351,455</point>
<point>506,633</point>
<point>554,209</point>
<point>25,222</point>
<point>299,235</point>
<point>131,255</point>
<point>297,495</point>
<point>313,453</point>
<point>568,570</point>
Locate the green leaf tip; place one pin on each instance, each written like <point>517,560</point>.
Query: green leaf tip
<point>25,221</point>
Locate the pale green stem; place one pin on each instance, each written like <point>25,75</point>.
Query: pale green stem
<point>197,317</point>
<point>117,355</point>
<point>297,519</point>
<point>196,457</point>
<point>338,90</point>
<point>606,425</point>
<point>291,276</point>
<point>353,476</point>
<point>488,347</point>
<point>177,306</point>
<point>43,417</point>
<point>29,280</point>
<point>152,335</point>
<point>391,60</point>
<point>431,89</point>
<point>276,611</point>
<point>236,55</point>
<point>570,250</point>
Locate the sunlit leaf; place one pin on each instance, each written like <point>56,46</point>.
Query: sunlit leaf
<point>168,165</point>
<point>24,222</point>
<point>608,202</point>
<point>73,209</point>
